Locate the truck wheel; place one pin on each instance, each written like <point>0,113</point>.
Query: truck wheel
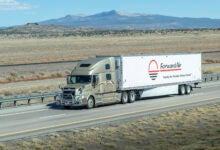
<point>124,97</point>
<point>182,90</point>
<point>188,89</point>
<point>131,96</point>
<point>90,103</point>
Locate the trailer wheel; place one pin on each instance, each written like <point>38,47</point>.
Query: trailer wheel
<point>124,97</point>
<point>131,96</point>
<point>90,103</point>
<point>182,90</point>
<point>188,89</point>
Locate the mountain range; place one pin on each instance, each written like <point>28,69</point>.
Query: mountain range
<point>115,20</point>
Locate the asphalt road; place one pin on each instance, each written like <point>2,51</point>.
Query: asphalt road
<point>36,119</point>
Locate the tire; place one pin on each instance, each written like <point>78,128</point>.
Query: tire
<point>188,89</point>
<point>131,96</point>
<point>124,97</point>
<point>90,103</point>
<point>182,90</point>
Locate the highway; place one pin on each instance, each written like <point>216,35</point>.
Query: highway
<point>45,118</point>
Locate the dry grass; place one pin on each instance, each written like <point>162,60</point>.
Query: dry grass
<point>15,51</point>
<point>213,69</point>
<point>195,128</point>
<point>18,76</point>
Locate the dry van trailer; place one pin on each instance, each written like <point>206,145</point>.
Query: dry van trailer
<point>159,74</point>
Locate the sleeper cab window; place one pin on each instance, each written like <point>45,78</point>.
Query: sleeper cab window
<point>107,66</point>
<point>108,77</point>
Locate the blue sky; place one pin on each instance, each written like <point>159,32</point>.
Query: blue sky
<point>17,12</point>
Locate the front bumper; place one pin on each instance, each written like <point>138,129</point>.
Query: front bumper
<point>74,101</point>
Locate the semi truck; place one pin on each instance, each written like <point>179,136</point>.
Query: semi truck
<point>124,79</point>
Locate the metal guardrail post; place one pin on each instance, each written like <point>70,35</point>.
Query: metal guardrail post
<point>210,77</point>
<point>42,99</point>
<point>15,103</point>
<point>29,100</point>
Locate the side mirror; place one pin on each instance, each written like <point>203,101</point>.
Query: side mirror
<point>68,78</point>
<point>93,84</point>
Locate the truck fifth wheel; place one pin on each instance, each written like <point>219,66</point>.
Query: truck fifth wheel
<point>108,79</point>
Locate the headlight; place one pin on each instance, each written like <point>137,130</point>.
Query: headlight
<point>81,89</point>
<point>57,100</point>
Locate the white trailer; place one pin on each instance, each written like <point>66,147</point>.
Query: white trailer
<point>154,75</point>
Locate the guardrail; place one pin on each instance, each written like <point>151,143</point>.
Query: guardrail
<point>205,77</point>
<point>210,77</point>
<point>29,98</point>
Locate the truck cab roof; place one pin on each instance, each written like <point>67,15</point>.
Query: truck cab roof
<point>91,66</point>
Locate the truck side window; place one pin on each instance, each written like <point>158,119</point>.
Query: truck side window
<point>95,80</point>
<point>108,77</point>
<point>107,66</point>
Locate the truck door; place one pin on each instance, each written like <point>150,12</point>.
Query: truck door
<point>103,87</point>
<point>97,88</point>
<point>109,87</point>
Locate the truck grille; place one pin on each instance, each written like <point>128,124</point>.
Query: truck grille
<point>68,94</point>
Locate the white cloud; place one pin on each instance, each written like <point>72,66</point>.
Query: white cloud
<point>11,5</point>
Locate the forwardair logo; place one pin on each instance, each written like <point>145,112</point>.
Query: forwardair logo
<point>154,69</point>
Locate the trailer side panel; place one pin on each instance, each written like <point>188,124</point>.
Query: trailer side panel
<point>156,70</point>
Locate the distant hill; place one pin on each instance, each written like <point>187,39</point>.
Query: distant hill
<point>114,20</point>
<point>36,30</point>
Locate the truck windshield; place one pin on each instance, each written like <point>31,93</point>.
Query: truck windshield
<point>79,79</point>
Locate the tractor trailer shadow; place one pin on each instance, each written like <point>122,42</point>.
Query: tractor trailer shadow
<point>54,106</point>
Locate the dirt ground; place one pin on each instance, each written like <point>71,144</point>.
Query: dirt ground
<point>195,128</point>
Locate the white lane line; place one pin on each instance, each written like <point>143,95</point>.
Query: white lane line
<point>19,113</point>
<point>209,86</point>
<point>195,94</point>
<point>53,116</point>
